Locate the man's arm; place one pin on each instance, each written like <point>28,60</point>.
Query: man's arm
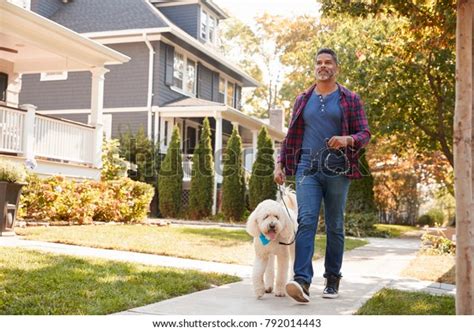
<point>359,125</point>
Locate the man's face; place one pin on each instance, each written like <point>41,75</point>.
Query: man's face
<point>325,68</point>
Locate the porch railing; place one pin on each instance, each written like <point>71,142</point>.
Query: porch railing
<point>187,166</point>
<point>12,122</point>
<point>30,134</point>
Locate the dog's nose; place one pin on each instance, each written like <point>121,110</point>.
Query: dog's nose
<point>272,226</point>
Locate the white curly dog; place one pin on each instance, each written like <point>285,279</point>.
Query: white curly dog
<point>273,228</point>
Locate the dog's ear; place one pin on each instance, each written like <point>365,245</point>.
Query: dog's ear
<point>252,226</point>
<point>289,226</point>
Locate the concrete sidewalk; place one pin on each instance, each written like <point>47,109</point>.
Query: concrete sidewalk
<point>366,270</point>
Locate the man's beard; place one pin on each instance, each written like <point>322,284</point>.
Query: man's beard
<point>325,74</point>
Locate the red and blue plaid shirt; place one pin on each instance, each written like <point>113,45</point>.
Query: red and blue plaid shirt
<point>354,123</point>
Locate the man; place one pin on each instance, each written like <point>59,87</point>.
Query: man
<point>325,117</point>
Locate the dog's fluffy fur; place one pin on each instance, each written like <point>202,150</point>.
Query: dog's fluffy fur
<point>271,219</point>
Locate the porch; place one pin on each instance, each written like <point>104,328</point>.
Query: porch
<point>58,146</point>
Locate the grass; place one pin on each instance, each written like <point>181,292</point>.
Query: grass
<point>34,283</point>
<point>393,230</point>
<point>209,244</point>
<point>395,302</point>
<point>436,268</point>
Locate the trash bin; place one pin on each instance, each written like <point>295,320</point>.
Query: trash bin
<point>9,200</point>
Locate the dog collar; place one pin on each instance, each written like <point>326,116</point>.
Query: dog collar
<point>264,240</point>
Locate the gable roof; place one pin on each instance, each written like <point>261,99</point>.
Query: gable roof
<point>107,15</point>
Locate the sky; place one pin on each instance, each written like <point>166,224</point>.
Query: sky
<point>246,10</point>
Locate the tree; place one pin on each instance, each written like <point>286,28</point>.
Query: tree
<point>256,52</point>
<point>261,185</point>
<point>202,181</point>
<point>170,180</point>
<point>418,96</point>
<point>113,166</point>
<point>233,185</point>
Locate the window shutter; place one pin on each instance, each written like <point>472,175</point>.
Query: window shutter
<point>237,97</point>
<point>3,86</point>
<point>169,59</point>
<point>215,86</point>
<point>199,81</point>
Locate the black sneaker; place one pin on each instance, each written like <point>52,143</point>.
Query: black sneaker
<point>298,290</point>
<point>332,287</point>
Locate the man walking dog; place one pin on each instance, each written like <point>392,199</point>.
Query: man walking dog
<point>327,118</point>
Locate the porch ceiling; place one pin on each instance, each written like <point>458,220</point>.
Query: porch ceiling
<point>226,112</point>
<point>35,44</point>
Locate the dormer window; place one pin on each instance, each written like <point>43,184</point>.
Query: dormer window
<point>208,27</point>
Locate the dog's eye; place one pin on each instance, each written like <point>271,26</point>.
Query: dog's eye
<point>266,216</point>
<point>276,216</point>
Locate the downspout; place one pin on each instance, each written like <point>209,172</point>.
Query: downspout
<point>151,61</point>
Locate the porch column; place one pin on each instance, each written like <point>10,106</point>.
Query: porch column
<point>29,132</point>
<point>217,158</point>
<point>254,145</point>
<point>97,105</point>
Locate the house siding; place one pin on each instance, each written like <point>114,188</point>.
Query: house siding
<point>73,93</point>
<point>45,8</point>
<point>121,122</point>
<point>125,85</point>
<point>185,16</point>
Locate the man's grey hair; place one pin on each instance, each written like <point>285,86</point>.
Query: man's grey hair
<point>330,52</point>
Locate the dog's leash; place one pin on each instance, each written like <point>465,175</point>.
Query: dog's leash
<point>289,215</point>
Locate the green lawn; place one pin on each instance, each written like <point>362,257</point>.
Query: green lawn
<point>34,283</point>
<point>209,244</point>
<point>393,230</point>
<point>395,302</point>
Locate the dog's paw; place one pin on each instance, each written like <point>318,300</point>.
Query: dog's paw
<point>279,292</point>
<point>259,293</point>
<point>269,289</point>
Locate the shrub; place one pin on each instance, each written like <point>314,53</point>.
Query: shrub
<point>437,245</point>
<point>170,180</point>
<point>202,180</point>
<point>431,218</point>
<point>233,186</point>
<point>11,172</point>
<point>56,199</point>
<point>360,198</point>
<point>262,186</point>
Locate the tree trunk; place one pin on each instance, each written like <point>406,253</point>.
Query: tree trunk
<point>463,161</point>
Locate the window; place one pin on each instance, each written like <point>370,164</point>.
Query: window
<point>221,89</point>
<point>184,74</point>
<point>191,77</point>
<point>212,29</point>
<point>3,86</point>
<point>204,25</point>
<point>230,94</point>
<point>47,76</point>
<point>178,70</point>
<point>208,27</point>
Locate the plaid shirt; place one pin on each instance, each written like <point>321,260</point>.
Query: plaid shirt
<point>354,123</point>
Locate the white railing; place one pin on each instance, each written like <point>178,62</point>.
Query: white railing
<point>63,140</point>
<point>187,166</point>
<point>12,122</point>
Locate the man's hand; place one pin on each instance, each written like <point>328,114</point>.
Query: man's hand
<point>340,142</point>
<point>279,175</point>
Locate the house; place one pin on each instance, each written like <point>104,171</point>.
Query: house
<point>175,76</point>
<point>30,43</point>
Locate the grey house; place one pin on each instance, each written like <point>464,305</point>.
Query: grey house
<point>175,76</point>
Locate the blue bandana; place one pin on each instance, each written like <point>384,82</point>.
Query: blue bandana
<point>264,240</point>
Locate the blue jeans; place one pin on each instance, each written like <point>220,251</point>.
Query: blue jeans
<point>311,190</point>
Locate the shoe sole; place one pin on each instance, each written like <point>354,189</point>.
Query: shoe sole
<point>294,290</point>
<point>330,296</point>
